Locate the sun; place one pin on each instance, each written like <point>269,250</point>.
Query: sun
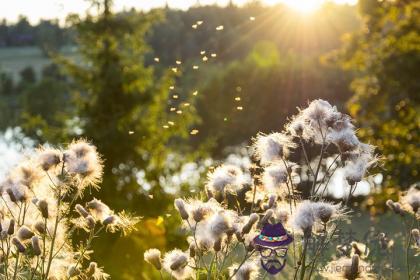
<point>302,6</point>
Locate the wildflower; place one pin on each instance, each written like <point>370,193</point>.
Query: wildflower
<point>304,218</point>
<point>247,271</point>
<point>98,209</point>
<point>412,198</point>
<point>180,205</point>
<point>327,211</point>
<point>268,214</point>
<point>219,224</point>
<point>11,228</point>
<point>274,176</point>
<point>90,221</point>
<point>110,220</point>
<point>395,206</point>
<point>24,233</point>
<point>360,249</point>
<point>82,159</point>
<point>35,245</point>
<point>355,169</point>
<point>253,218</point>
<point>40,227</point>
<point>43,208</point>
<point>19,246</point>
<point>81,210</point>
<point>346,139</point>
<point>73,271</point>
<point>95,272</point>
<point>272,201</point>
<point>27,175</point>
<point>152,256</point>
<point>175,262</point>
<point>201,210</point>
<point>48,158</point>
<point>224,176</point>
<point>272,147</point>
<point>385,242</point>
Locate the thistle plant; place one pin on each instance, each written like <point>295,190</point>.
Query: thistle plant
<point>225,218</point>
<point>40,215</point>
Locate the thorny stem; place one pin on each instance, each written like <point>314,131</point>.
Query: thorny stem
<point>321,248</point>
<point>318,168</point>
<point>306,156</point>
<point>305,247</point>
<point>329,177</point>
<point>407,250</point>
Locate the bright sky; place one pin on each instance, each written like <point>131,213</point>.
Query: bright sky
<point>47,9</point>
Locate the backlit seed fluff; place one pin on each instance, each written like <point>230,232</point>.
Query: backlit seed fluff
<point>73,271</point>
<point>93,266</point>
<point>11,228</point>
<point>35,245</point>
<point>49,158</point>
<point>153,257</point>
<point>246,271</point>
<point>81,210</point>
<point>24,233</point>
<point>176,259</point>
<point>253,218</point>
<point>90,222</point>
<point>19,246</point>
<point>43,208</point>
<point>180,206</point>
<point>40,227</point>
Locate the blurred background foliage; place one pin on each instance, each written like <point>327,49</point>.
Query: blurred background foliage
<point>127,82</point>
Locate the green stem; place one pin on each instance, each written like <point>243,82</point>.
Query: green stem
<point>305,247</point>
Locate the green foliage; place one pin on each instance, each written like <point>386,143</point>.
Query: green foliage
<point>385,56</point>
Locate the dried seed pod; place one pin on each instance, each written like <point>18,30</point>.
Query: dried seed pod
<point>253,218</point>
<point>180,205</point>
<point>19,246</point>
<point>266,216</point>
<point>192,250</point>
<point>35,245</point>
<point>40,227</point>
<point>217,246</point>
<point>24,233</point>
<point>90,221</point>
<point>109,220</point>
<point>72,271</point>
<point>93,266</point>
<point>81,210</point>
<point>11,229</point>
<point>43,208</point>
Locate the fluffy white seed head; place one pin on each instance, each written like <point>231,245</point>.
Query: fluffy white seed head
<point>272,147</point>
<point>225,176</point>
<point>153,257</point>
<point>248,271</point>
<point>274,177</point>
<point>176,262</point>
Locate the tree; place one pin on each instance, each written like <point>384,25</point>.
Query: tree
<point>123,107</point>
<point>385,58</point>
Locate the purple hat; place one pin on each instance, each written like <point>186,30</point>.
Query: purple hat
<point>273,236</point>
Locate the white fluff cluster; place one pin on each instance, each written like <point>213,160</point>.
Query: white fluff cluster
<point>268,148</point>
<point>309,212</point>
<point>274,177</point>
<point>412,199</point>
<point>176,262</point>
<point>153,256</point>
<point>358,163</point>
<point>225,178</point>
<point>247,271</point>
<point>33,194</point>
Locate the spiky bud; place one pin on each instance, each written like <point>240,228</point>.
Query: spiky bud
<point>109,220</point>
<point>90,221</point>
<point>253,218</point>
<point>180,205</point>
<point>11,229</point>
<point>266,216</point>
<point>93,266</point>
<point>152,256</point>
<point>81,210</point>
<point>19,246</point>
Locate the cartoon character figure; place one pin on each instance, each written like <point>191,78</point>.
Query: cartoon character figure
<point>272,244</point>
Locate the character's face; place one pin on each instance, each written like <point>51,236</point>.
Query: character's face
<point>273,259</point>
